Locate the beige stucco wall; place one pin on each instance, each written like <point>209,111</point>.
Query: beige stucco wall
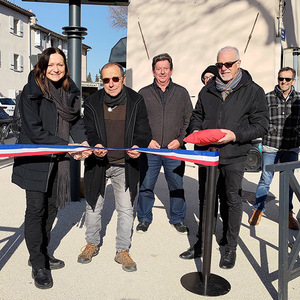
<point>12,80</point>
<point>193,31</point>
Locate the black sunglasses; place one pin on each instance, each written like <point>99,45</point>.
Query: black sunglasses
<point>114,79</point>
<point>227,64</point>
<point>286,79</point>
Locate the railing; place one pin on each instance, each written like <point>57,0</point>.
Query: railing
<point>286,260</point>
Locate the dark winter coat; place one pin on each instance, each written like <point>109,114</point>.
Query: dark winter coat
<point>39,126</point>
<point>244,112</point>
<point>137,132</point>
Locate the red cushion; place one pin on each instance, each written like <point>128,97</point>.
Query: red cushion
<point>205,137</point>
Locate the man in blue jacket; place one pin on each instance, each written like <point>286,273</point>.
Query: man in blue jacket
<point>237,105</point>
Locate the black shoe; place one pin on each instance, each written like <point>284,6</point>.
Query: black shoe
<point>181,228</point>
<point>191,253</point>
<point>52,263</point>
<point>41,279</point>
<point>142,227</point>
<point>223,241</point>
<point>228,260</point>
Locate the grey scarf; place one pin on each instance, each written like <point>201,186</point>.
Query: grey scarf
<point>66,114</point>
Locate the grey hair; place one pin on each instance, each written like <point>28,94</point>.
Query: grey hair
<point>229,48</point>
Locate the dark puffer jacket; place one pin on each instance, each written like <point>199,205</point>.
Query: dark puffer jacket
<point>244,112</point>
<point>39,126</point>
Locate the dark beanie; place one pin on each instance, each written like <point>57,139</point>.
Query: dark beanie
<point>210,69</point>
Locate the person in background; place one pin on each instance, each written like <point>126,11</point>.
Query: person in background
<point>114,117</point>
<point>209,74</point>
<point>236,105</point>
<point>50,114</point>
<point>169,109</point>
<point>283,136</point>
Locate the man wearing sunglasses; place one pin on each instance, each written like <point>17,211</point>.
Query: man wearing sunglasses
<point>283,135</point>
<point>169,110</point>
<point>235,104</point>
<point>114,117</point>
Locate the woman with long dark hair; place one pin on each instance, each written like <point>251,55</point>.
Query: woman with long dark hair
<point>50,114</point>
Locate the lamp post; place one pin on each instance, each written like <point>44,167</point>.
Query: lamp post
<point>75,35</point>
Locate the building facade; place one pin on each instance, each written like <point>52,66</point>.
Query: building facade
<point>14,50</point>
<point>266,32</point>
<point>22,42</point>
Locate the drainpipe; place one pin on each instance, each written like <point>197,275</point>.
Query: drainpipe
<point>296,53</point>
<point>278,45</point>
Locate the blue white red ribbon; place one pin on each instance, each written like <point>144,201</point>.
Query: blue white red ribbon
<point>206,158</point>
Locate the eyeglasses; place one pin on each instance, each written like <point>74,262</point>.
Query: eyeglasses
<point>114,79</point>
<point>286,79</point>
<point>227,64</point>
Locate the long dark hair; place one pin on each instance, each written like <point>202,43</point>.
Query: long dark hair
<point>41,67</point>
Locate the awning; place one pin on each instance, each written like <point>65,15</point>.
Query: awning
<point>118,52</point>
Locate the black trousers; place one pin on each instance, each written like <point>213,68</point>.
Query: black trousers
<point>228,192</point>
<point>40,214</point>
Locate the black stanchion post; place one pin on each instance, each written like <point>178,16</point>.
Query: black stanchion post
<point>205,283</point>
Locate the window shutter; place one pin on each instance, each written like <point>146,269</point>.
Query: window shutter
<point>11,24</point>
<point>60,44</point>
<point>20,28</point>
<point>11,61</point>
<point>37,38</point>
<point>20,63</point>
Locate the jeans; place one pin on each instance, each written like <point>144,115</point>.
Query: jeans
<point>174,170</point>
<point>124,208</point>
<point>40,214</point>
<point>266,177</point>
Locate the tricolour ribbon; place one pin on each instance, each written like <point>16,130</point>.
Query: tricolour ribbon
<point>206,158</point>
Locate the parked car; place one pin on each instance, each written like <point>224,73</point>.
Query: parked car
<point>8,105</point>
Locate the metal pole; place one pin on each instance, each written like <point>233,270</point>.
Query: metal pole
<point>211,183</point>
<point>205,283</point>
<point>75,32</point>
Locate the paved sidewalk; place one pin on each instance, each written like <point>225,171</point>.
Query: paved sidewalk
<point>159,269</point>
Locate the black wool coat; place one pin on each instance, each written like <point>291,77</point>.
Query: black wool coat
<point>244,112</point>
<point>137,132</point>
<point>39,118</point>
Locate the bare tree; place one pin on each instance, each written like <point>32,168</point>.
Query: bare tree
<point>118,16</point>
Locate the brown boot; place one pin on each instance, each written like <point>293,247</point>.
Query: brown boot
<point>124,258</point>
<point>293,224</point>
<point>255,218</point>
<point>87,253</point>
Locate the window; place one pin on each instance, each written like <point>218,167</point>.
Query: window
<point>16,62</point>
<point>37,38</point>
<point>15,26</point>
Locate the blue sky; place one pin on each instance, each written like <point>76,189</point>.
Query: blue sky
<point>100,35</point>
